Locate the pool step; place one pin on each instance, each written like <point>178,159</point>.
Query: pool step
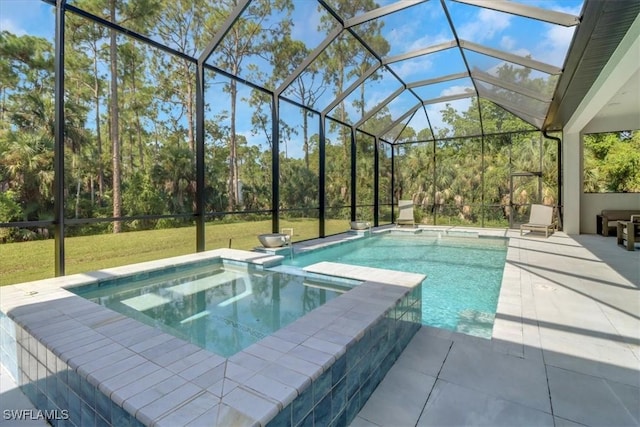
<point>401,230</point>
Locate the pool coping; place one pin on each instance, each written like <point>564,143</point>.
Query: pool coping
<point>160,379</point>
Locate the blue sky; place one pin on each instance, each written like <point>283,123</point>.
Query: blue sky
<point>416,27</point>
<point>27,17</point>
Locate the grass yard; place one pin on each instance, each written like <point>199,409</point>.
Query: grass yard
<point>23,262</point>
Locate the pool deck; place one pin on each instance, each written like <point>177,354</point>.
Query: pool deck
<point>565,349</point>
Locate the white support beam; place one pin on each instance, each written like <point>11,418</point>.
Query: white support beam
<point>532,12</point>
<point>571,182</point>
<point>380,12</point>
<point>506,56</point>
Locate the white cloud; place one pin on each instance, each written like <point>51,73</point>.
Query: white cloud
<point>560,6</point>
<point>12,27</point>
<point>522,52</point>
<point>507,43</point>
<point>33,17</point>
<point>456,90</point>
<point>435,113</point>
<point>407,32</point>
<point>305,28</point>
<point>398,36</point>
<point>486,25</point>
<point>550,47</point>
<point>408,68</point>
<point>428,40</point>
<point>373,99</point>
<point>554,44</point>
<point>397,109</point>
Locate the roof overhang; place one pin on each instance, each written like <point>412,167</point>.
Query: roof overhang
<point>605,49</point>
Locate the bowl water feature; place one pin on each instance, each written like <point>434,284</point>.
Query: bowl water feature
<point>360,225</point>
<point>274,240</point>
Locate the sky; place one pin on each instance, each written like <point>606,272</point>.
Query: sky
<point>27,17</point>
<point>414,28</point>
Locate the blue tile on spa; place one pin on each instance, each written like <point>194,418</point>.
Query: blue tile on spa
<point>340,420</point>
<point>364,370</point>
<point>101,422</point>
<point>88,393</point>
<point>353,407</point>
<point>338,398</point>
<point>41,374</point>
<point>367,388</point>
<point>63,373</point>
<point>74,381</point>
<point>103,406</point>
<point>353,356</point>
<point>338,370</point>
<point>307,422</point>
<point>41,399</point>
<point>353,382</point>
<point>30,390</point>
<point>66,423</point>
<point>49,406</point>
<point>387,362</point>
<point>119,417</point>
<point>135,423</point>
<point>322,412</point>
<point>302,405</point>
<point>367,342</point>
<point>282,419</point>
<point>51,386</point>
<point>321,386</point>
<point>88,415</point>
<point>62,394</point>
<point>74,408</point>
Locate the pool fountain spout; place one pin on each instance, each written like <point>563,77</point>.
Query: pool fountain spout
<point>361,226</point>
<point>288,232</point>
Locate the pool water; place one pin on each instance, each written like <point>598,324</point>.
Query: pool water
<point>220,308</point>
<point>463,273</point>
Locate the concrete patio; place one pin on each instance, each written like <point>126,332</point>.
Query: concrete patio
<point>565,348</point>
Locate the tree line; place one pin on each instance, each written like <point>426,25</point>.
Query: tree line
<point>612,162</point>
<point>129,130</point>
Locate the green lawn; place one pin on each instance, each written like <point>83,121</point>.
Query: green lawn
<point>23,262</point>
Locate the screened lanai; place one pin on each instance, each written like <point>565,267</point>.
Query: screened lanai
<point>212,122</point>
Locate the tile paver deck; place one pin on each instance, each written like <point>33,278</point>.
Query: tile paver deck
<point>564,351</point>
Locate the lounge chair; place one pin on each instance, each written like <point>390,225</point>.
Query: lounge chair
<point>629,231</point>
<point>405,213</point>
<point>541,219</point>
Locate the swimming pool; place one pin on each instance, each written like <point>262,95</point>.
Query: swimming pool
<point>464,273</point>
<point>221,308</point>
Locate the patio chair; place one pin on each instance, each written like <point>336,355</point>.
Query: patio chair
<point>629,231</point>
<point>405,213</point>
<point>540,219</point>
